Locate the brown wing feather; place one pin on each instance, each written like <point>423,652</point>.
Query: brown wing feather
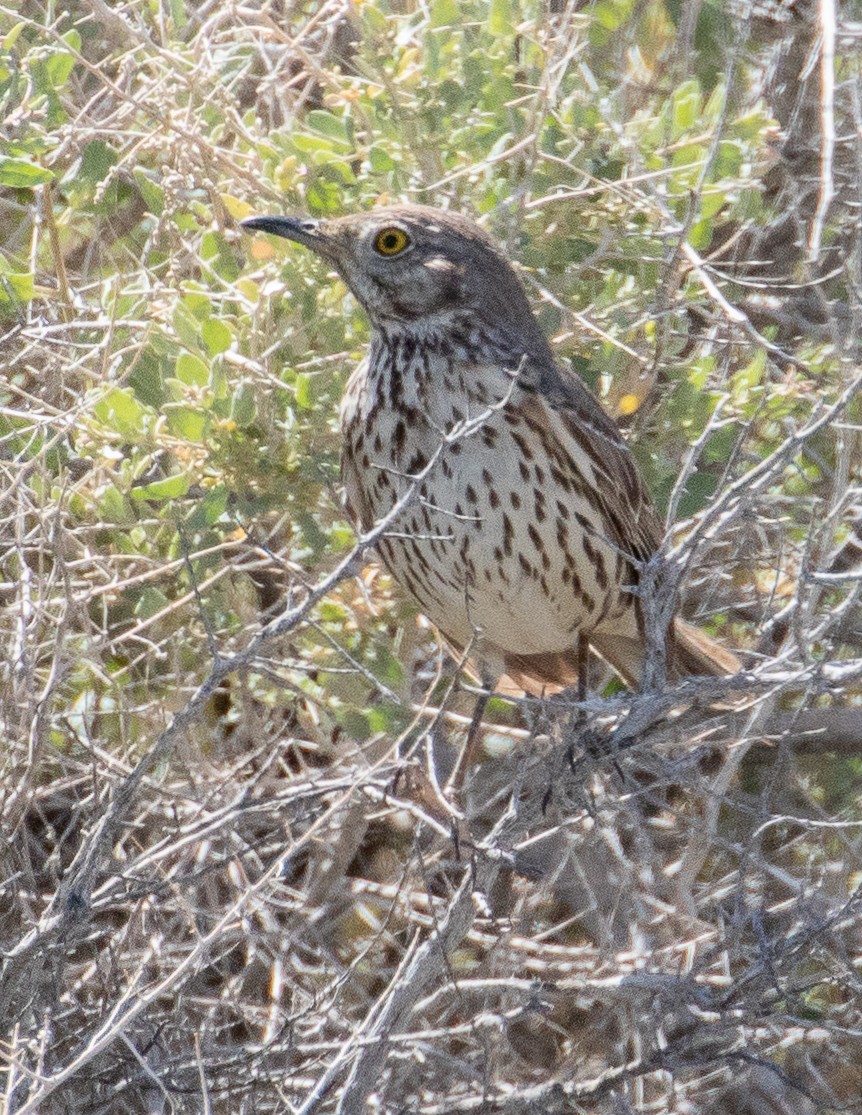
<point>633,523</point>
<point>355,500</point>
<point>633,526</point>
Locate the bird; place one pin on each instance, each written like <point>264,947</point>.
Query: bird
<point>514,512</point>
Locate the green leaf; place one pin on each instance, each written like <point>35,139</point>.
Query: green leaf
<point>186,325</point>
<point>11,38</point>
<point>380,160</point>
<point>243,409</point>
<point>720,445</point>
<point>178,15</point>
<point>197,302</point>
<point>146,375</point>
<point>172,487</point>
<point>611,14</point>
<point>323,197</point>
<point>500,17</point>
<point>729,160</point>
<point>303,391</point>
<point>341,537</point>
<point>751,126</point>
<point>97,159</point>
<point>187,422</point>
<point>58,68</point>
<point>209,509</point>
<point>328,124</point>
<point>685,107</point>
<point>751,376</point>
<point>312,535</point>
<point>21,174</point>
<point>15,287</point>
<point>330,612</point>
<point>711,203</point>
<point>122,412</point>
<point>340,168</point>
<point>150,603</point>
<point>698,490</point>
<point>221,257</point>
<point>444,13</point>
<point>216,336</point>
<point>113,508</point>
<point>700,236</point>
<point>192,370</point>
<point>714,106</point>
<point>153,195</point>
<point>307,145</point>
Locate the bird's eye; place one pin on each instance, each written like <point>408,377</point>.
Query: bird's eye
<point>391,241</point>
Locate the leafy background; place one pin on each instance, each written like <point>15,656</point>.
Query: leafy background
<point>217,870</point>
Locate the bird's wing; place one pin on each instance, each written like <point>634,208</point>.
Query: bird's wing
<point>354,499</point>
<point>633,524</point>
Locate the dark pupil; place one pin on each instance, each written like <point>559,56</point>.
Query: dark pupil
<point>390,242</point>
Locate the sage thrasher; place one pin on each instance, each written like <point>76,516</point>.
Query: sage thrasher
<point>525,521</point>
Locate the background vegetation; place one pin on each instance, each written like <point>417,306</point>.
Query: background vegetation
<point>230,882</point>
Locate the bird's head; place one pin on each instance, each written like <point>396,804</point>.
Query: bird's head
<point>417,266</point>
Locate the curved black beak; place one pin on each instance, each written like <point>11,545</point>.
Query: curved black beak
<point>304,230</point>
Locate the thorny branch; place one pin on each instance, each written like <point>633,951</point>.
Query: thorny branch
<point>649,901</point>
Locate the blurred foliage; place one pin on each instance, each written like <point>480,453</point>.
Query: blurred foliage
<point>168,413</point>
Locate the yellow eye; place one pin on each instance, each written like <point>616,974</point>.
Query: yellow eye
<point>391,241</point>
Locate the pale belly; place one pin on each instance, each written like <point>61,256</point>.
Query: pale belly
<point>500,549</point>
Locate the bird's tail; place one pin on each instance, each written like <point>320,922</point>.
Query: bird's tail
<point>695,652</point>
<point>691,652</point>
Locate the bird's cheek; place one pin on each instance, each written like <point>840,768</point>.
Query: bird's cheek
<point>361,287</point>
<point>439,289</point>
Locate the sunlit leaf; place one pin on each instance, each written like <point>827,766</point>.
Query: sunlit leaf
<point>171,487</point>
<point>185,421</point>
<point>192,370</point>
<point>19,173</point>
<point>216,336</point>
